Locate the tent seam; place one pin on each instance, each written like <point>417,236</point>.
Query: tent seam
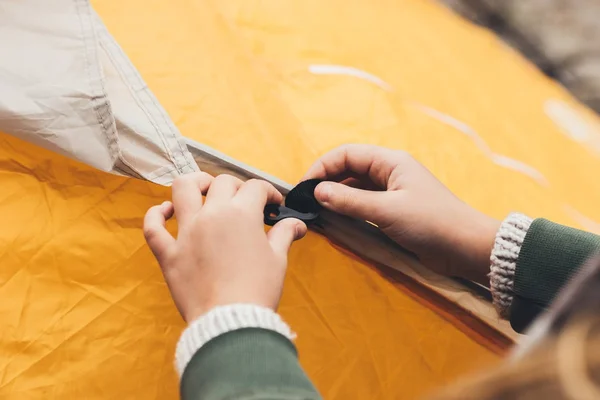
<point>169,134</point>
<point>104,117</point>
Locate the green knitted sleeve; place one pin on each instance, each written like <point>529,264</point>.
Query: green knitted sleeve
<point>550,255</point>
<point>247,364</point>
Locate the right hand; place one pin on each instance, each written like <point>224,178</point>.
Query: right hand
<point>394,191</point>
<point>222,254</point>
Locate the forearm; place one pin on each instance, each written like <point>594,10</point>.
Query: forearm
<point>531,261</point>
<point>241,356</point>
<point>241,352</point>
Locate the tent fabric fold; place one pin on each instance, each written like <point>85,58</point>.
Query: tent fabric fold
<point>67,86</point>
<point>257,86</point>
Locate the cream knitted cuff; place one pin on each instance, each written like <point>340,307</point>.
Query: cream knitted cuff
<point>223,319</point>
<point>503,260</point>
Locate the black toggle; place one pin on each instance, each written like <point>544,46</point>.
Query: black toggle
<point>300,203</point>
<point>275,213</point>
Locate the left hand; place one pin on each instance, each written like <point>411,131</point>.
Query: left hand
<point>410,205</point>
<point>222,254</point>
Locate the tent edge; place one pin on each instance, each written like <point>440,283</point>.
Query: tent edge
<point>368,243</point>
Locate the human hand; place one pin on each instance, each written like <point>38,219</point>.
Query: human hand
<point>394,191</point>
<point>222,254</point>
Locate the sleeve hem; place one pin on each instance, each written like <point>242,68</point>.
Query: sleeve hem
<point>221,320</point>
<point>503,260</point>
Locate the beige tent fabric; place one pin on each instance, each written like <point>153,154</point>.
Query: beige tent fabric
<point>66,85</point>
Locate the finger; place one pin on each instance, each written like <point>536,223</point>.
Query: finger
<point>361,204</point>
<point>359,183</point>
<point>187,194</point>
<point>168,209</point>
<point>282,235</point>
<point>223,188</point>
<point>375,162</point>
<point>255,194</point>
<point>155,232</point>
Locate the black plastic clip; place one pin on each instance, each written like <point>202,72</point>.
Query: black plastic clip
<point>274,213</point>
<point>300,203</point>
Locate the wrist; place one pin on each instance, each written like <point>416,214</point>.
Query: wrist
<point>224,300</point>
<point>478,233</point>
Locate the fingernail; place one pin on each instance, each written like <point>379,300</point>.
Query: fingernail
<point>299,230</point>
<point>324,192</point>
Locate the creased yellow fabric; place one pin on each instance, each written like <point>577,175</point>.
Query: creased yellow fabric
<point>85,313</point>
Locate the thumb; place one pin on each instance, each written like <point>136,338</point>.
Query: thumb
<point>346,200</point>
<point>282,235</point>
<point>155,232</point>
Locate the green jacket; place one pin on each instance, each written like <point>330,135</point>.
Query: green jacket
<point>257,364</point>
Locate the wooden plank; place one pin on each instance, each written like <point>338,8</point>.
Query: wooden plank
<point>368,242</point>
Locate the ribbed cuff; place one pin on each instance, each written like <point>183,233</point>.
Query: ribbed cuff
<point>223,319</point>
<point>503,261</point>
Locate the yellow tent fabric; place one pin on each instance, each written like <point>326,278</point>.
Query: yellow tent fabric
<point>85,312</point>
